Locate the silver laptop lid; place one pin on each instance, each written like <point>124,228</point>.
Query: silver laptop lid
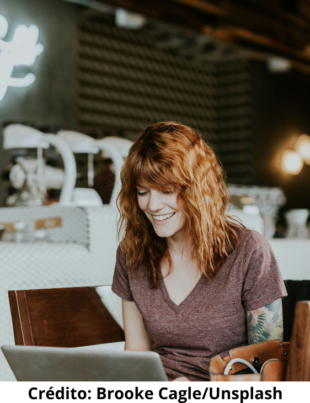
<point>30,363</point>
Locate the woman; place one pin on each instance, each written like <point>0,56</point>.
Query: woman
<point>194,283</point>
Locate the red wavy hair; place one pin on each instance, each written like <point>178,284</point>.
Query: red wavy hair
<point>171,155</point>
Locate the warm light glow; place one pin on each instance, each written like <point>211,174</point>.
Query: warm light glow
<point>291,162</point>
<point>303,147</point>
<point>22,50</point>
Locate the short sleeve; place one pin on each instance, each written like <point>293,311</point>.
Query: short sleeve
<point>120,285</point>
<point>263,281</point>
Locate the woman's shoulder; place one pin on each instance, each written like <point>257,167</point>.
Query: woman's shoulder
<point>121,257</point>
<point>121,262</point>
<point>134,282</point>
<point>251,241</point>
<point>120,253</point>
<point>254,239</point>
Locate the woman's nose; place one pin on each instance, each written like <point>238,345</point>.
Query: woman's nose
<point>155,202</point>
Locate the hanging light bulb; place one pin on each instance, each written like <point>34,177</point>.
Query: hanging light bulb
<point>291,162</point>
<point>303,147</point>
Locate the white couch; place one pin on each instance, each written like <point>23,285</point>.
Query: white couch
<point>80,253</point>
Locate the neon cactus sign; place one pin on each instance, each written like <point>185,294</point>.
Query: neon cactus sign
<point>22,50</point>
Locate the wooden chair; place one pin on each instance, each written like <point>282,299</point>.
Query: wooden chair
<point>62,317</point>
<point>299,358</point>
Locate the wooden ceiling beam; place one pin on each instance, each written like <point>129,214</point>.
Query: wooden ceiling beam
<point>301,20</point>
<point>190,15</point>
<point>163,10</point>
<point>205,6</point>
<point>240,23</point>
<point>244,16</point>
<point>304,8</point>
<point>238,36</point>
<point>264,46</point>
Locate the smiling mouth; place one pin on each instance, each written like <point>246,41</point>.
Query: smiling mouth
<point>163,217</point>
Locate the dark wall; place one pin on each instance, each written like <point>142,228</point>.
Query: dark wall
<point>281,112</point>
<point>51,99</point>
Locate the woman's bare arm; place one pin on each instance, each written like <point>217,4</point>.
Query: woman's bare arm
<point>135,335</point>
<point>265,323</point>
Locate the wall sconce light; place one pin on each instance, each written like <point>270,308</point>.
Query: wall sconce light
<point>291,162</point>
<point>303,147</point>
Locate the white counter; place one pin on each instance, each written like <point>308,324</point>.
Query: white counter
<point>293,256</point>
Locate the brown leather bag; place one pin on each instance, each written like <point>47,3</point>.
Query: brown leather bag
<point>270,356</point>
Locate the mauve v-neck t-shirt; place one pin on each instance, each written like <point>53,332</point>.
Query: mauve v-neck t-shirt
<point>211,320</point>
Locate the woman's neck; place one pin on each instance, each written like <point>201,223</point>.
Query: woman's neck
<point>179,247</point>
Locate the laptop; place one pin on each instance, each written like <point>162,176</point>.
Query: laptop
<point>50,364</point>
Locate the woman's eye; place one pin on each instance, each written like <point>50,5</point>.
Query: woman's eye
<point>141,193</point>
<point>167,192</point>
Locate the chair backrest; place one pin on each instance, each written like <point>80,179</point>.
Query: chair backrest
<point>298,290</point>
<point>299,358</point>
<point>62,317</point>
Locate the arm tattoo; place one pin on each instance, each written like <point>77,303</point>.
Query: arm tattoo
<point>265,323</point>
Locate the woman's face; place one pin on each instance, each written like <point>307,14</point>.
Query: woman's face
<point>162,209</point>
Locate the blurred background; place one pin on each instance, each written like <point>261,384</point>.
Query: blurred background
<point>238,71</point>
